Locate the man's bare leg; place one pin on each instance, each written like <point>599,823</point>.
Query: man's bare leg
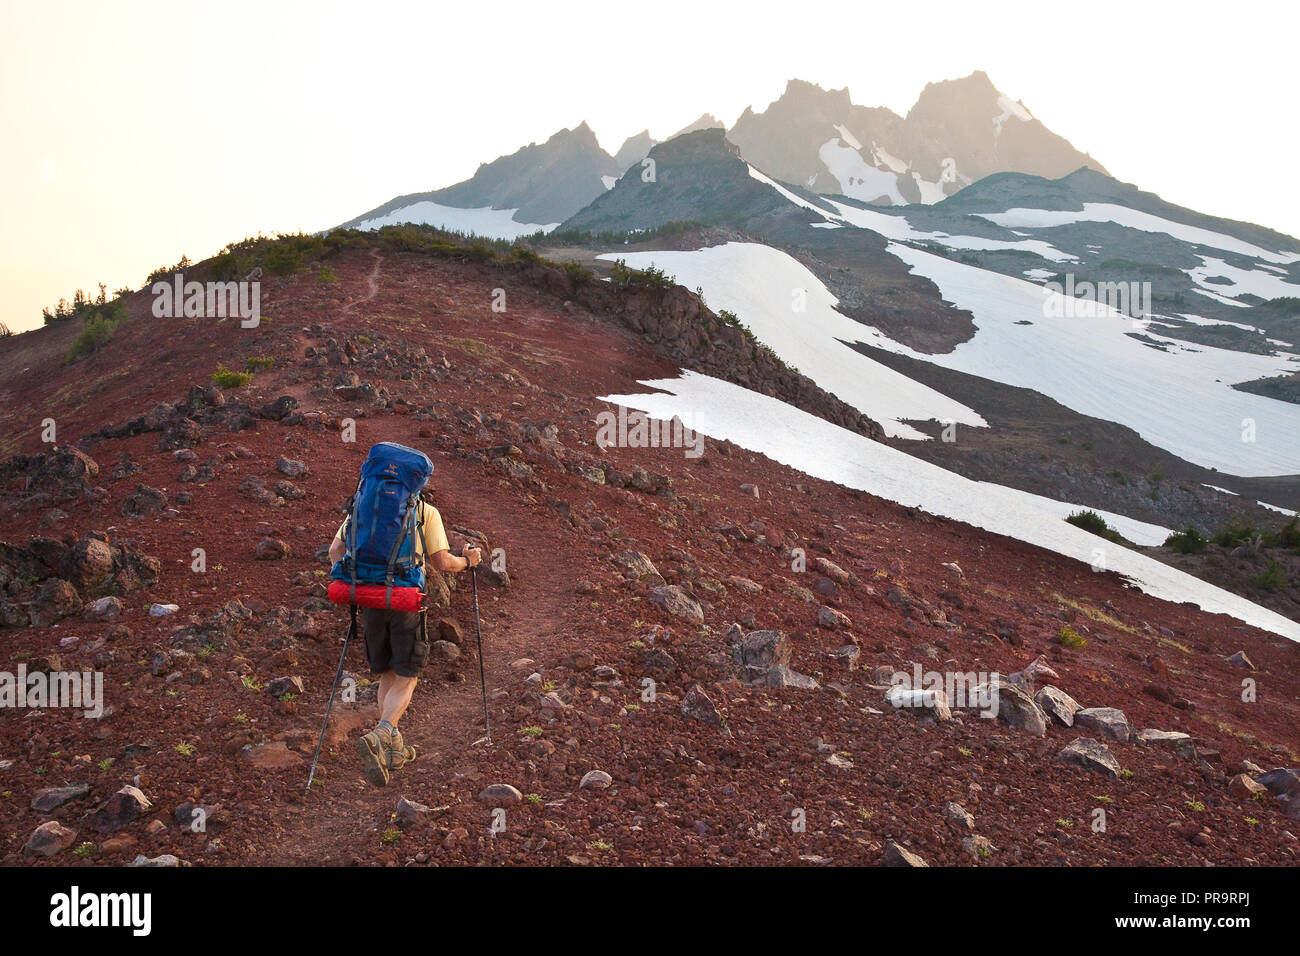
<point>396,698</point>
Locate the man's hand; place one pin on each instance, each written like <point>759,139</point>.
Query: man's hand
<point>472,555</point>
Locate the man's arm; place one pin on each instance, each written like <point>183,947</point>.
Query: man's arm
<point>446,562</point>
<point>337,549</point>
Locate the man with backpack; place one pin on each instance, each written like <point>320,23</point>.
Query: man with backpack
<point>380,552</point>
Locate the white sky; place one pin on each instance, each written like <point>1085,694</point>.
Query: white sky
<point>135,132</point>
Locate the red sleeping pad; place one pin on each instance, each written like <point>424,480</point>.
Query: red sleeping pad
<point>373,595</point>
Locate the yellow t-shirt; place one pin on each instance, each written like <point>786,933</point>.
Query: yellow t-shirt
<point>432,537</point>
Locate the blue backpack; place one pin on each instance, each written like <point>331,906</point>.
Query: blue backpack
<point>381,525</point>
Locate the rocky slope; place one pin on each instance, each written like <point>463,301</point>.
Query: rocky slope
<point>688,659</point>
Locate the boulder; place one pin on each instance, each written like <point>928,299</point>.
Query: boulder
<point>637,567</point>
<point>678,603</point>
<point>1110,722</point>
<point>49,838</point>
<point>51,798</point>
<point>500,794</point>
<point>124,807</point>
<point>1092,755</point>
<point>896,855</point>
<point>55,599</point>
<point>1282,781</point>
<point>1177,741</point>
<point>595,780</point>
<point>697,705</point>
<point>1057,704</point>
<point>1014,707</point>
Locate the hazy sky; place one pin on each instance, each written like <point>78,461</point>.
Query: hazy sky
<point>135,132</point>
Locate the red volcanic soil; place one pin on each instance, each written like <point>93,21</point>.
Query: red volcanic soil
<point>683,790</point>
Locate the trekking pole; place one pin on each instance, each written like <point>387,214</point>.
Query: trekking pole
<point>352,629</point>
<point>478,629</point>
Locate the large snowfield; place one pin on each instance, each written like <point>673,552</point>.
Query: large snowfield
<point>817,448</point>
<point>1020,218</point>
<point>486,222</point>
<point>1177,397</point>
<point>760,285</point>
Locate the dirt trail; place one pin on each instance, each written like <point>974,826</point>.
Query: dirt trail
<point>372,283</point>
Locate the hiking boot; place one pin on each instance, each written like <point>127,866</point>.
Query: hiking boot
<point>399,755</point>
<point>374,748</point>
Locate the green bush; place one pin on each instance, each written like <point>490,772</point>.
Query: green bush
<point>95,334</point>
<point>1289,536</point>
<point>97,329</point>
<point>1094,523</point>
<point>1235,533</point>
<point>1188,541</point>
<point>577,274</point>
<point>260,363</point>
<point>1272,579</point>
<point>227,378</point>
<point>1071,638</point>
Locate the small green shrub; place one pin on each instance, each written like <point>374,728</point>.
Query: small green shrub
<point>1069,637</point>
<point>1235,533</point>
<point>260,363</point>
<point>1094,523</point>
<point>228,378</point>
<point>1272,579</point>
<point>95,334</point>
<point>1188,541</point>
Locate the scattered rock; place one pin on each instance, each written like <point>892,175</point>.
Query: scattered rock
<point>500,794</point>
<point>896,855</point>
<point>49,838</point>
<point>1244,788</point>
<point>272,549</point>
<point>1014,707</point>
<point>103,609</point>
<point>595,780</point>
<point>1092,755</point>
<point>678,603</point>
<point>1057,704</point>
<point>955,815</point>
<point>1240,659</point>
<point>1107,721</point>
<point>408,812</point>
<point>1177,741</point>
<point>697,705</point>
<point>52,798</point>
<point>125,806</point>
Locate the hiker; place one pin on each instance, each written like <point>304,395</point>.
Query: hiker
<point>396,641</point>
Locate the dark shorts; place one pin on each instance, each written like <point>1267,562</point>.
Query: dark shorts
<point>395,641</point>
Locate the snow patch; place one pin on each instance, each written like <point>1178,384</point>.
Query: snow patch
<point>858,179</point>
<point>847,137</point>
<point>1179,400</point>
<point>765,287</point>
<point>800,440</point>
<point>1135,219</point>
<point>486,221</point>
